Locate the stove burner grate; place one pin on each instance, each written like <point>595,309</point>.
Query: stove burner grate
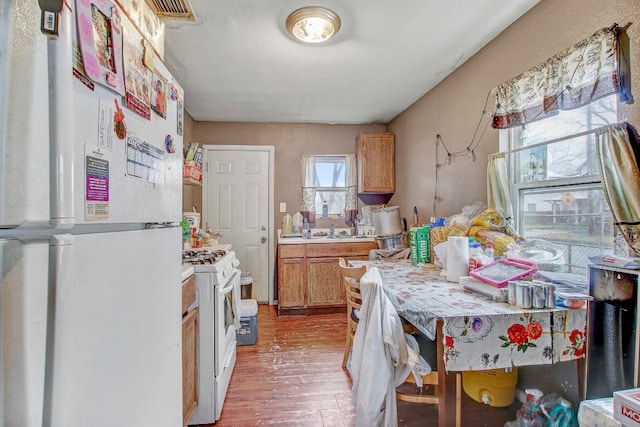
<point>202,257</point>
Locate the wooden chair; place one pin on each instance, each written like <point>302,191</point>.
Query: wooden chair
<point>351,281</point>
<point>409,392</point>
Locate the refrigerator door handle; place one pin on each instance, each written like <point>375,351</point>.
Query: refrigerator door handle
<point>61,125</point>
<point>60,263</point>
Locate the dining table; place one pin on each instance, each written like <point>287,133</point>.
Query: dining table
<point>473,331</point>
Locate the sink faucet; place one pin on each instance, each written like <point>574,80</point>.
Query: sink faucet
<point>333,230</point>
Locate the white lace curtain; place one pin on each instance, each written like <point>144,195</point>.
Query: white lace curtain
<point>310,182</point>
<point>618,148</point>
<point>498,188</point>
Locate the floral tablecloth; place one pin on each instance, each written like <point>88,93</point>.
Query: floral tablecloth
<point>479,333</point>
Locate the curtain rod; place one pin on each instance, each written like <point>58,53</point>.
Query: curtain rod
<point>540,144</point>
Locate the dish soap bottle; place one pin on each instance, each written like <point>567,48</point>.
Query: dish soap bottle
<point>325,209</point>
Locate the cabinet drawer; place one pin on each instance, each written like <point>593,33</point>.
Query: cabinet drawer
<point>291,251</point>
<point>340,249</point>
<point>188,293</point>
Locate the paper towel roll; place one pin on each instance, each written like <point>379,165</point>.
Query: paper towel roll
<point>457,258</point>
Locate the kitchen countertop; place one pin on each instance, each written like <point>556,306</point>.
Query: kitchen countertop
<point>187,271</point>
<point>324,239</point>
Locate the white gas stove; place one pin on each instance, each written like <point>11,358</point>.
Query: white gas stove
<point>221,263</point>
<point>218,293</point>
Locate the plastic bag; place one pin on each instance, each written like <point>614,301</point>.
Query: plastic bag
<point>545,255</point>
<point>459,224</point>
<point>529,414</point>
<point>558,411</point>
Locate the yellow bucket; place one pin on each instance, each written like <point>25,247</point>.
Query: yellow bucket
<point>494,387</point>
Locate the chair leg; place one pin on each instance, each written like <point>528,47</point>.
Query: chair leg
<point>347,350</point>
<point>458,399</point>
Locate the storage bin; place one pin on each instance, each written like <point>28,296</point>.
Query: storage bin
<point>494,387</point>
<point>246,283</point>
<point>248,332</point>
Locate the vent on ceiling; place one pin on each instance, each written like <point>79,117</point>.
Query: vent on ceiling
<point>172,9</point>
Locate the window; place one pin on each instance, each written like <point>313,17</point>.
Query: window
<point>330,183</point>
<point>557,194</point>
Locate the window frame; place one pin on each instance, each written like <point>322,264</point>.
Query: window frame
<point>330,158</point>
<point>510,140</point>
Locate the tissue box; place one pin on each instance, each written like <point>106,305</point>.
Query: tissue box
<point>626,407</point>
<point>597,413</point>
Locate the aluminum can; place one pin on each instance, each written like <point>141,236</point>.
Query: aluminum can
<point>538,297</point>
<point>523,295</point>
<point>550,295</point>
<point>511,292</point>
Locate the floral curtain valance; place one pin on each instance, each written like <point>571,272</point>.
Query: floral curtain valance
<point>595,67</point>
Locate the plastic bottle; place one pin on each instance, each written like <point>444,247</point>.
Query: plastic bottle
<point>476,256</point>
<point>488,252</point>
<point>530,414</point>
<point>325,209</point>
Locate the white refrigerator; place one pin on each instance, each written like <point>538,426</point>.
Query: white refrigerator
<point>90,248</point>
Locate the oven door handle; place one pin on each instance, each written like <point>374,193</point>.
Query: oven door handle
<point>229,287</point>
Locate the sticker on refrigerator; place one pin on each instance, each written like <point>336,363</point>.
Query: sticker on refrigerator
<point>96,166</point>
<point>144,160</point>
<point>105,125</point>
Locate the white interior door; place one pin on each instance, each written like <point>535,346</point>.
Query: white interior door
<point>237,202</point>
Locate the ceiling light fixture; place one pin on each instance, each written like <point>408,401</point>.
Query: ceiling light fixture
<point>313,24</point>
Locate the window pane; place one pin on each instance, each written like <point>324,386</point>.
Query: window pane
<point>335,201</point>
<point>330,173</point>
<point>575,217</point>
<point>575,157</point>
<point>570,122</point>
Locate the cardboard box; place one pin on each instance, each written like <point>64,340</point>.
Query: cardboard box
<point>597,413</point>
<point>626,407</point>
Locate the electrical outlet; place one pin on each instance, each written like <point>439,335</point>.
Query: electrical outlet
<point>283,207</point>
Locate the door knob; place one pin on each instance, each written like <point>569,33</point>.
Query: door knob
<point>264,239</point>
<point>264,228</point>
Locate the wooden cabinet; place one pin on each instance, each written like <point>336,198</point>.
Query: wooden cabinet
<point>190,319</point>
<point>309,279</point>
<point>375,157</point>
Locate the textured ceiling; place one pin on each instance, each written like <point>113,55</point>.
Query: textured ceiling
<point>237,63</point>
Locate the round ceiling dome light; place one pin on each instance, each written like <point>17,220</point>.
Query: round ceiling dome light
<point>313,24</point>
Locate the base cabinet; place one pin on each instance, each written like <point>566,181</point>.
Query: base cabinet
<point>190,325</point>
<point>309,279</point>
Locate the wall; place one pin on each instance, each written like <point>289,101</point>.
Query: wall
<point>454,108</point>
<point>290,142</point>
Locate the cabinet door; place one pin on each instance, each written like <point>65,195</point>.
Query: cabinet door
<point>291,274</point>
<point>375,155</point>
<point>189,364</point>
<point>323,283</point>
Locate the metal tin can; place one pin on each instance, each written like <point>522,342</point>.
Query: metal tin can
<point>538,297</point>
<point>523,295</point>
<point>550,293</point>
<point>511,292</point>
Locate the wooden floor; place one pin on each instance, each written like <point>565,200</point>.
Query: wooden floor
<point>293,377</point>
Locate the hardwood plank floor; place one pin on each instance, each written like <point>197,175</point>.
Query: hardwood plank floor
<point>293,377</point>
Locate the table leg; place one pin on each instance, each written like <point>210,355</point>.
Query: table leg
<point>446,386</point>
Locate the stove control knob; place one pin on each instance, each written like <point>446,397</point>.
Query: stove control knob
<point>235,262</point>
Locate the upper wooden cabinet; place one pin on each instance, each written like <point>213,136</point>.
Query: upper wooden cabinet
<point>375,154</point>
